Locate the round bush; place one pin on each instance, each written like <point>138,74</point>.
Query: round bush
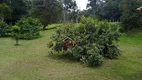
<point>95,60</point>
<point>29,28</point>
<point>15,29</point>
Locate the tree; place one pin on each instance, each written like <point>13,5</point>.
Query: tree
<point>130,17</point>
<point>15,33</point>
<point>84,13</point>
<point>48,11</point>
<point>5,11</point>
<point>19,9</point>
<point>111,10</point>
<point>70,10</point>
<point>94,6</point>
<point>105,9</point>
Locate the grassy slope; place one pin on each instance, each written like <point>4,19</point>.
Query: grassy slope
<point>30,61</point>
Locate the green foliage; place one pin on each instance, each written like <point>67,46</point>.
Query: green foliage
<point>15,29</point>
<point>130,18</point>
<point>58,46</point>
<point>15,33</point>
<point>95,60</point>
<point>48,11</point>
<point>113,51</point>
<point>50,44</point>
<point>70,10</point>
<point>19,8</point>
<point>93,40</point>
<point>29,28</point>
<point>5,29</point>
<point>105,9</point>
<point>5,11</point>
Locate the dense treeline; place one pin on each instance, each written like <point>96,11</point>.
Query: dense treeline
<point>54,11</point>
<point>23,19</point>
<point>48,11</point>
<point>124,11</point>
<point>12,12</point>
<point>15,8</point>
<point>131,18</point>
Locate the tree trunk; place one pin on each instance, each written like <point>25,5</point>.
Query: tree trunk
<point>44,27</point>
<point>1,18</point>
<point>17,41</point>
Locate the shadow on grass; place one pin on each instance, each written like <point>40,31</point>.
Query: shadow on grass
<point>17,44</point>
<point>135,76</point>
<point>69,59</point>
<point>51,28</point>
<point>7,36</point>
<point>64,58</point>
<point>48,29</point>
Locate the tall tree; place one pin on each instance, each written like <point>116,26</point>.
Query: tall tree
<point>94,6</point>
<point>84,13</point>
<point>48,11</point>
<point>130,17</point>
<point>18,7</point>
<point>111,10</point>
<point>5,11</point>
<point>70,10</point>
<point>105,9</point>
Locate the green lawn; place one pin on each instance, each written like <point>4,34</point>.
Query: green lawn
<point>30,61</point>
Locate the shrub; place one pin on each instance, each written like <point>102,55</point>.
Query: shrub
<point>4,29</point>
<point>92,40</point>
<point>95,60</point>
<point>15,33</point>
<point>29,28</point>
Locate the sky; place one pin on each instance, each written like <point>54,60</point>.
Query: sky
<point>82,4</point>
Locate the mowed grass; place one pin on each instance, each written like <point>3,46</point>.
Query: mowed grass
<point>30,61</point>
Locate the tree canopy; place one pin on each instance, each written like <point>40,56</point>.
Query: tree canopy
<point>105,9</point>
<point>19,9</point>
<point>48,11</point>
<point>5,11</point>
<point>70,10</point>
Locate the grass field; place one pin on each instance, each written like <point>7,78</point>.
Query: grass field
<point>30,61</point>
